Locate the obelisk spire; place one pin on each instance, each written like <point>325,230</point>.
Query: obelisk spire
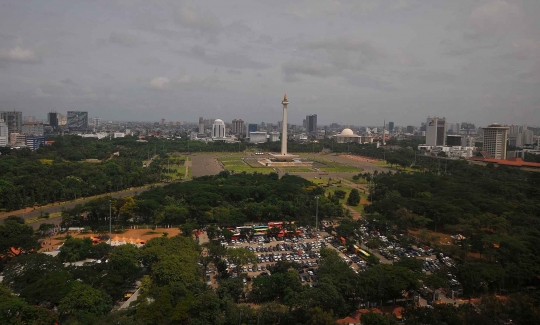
<point>285,102</point>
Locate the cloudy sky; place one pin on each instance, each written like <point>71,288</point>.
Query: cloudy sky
<point>351,62</point>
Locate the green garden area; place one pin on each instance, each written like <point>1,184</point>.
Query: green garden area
<point>237,165</point>
<point>174,167</point>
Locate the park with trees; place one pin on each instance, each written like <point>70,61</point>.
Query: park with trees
<point>496,209</point>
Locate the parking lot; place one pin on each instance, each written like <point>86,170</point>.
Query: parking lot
<point>303,249</point>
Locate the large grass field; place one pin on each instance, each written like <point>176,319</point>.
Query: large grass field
<point>297,169</point>
<point>176,167</point>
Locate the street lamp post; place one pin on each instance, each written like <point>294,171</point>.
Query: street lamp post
<point>317,213</point>
<point>110,221</point>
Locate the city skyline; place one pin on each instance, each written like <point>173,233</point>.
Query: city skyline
<point>346,62</point>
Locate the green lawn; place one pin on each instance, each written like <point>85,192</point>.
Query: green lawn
<point>359,208</point>
<point>235,164</point>
<point>297,169</point>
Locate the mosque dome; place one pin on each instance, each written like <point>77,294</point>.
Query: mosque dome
<point>347,132</point>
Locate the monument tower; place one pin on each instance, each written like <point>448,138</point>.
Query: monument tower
<point>284,156</point>
<point>284,137</point>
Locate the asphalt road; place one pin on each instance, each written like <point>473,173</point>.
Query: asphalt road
<point>67,205</point>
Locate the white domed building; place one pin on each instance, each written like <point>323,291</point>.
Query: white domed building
<point>218,129</point>
<point>348,136</point>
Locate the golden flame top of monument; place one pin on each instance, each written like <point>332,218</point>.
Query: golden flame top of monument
<point>285,99</point>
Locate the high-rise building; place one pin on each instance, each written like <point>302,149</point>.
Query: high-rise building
<point>274,136</point>
<point>13,121</point>
<point>467,128</point>
<point>391,126</point>
<point>410,129</point>
<point>218,129</point>
<point>311,123</point>
<point>97,122</point>
<point>52,118</point>
<point>519,136</point>
<point>201,125</point>
<point>33,128</point>
<point>237,127</point>
<point>77,120</point>
<point>4,134</point>
<point>436,131</point>
<point>252,128</point>
<point>495,137</point>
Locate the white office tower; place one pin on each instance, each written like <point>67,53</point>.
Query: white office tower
<point>4,134</point>
<point>436,131</point>
<point>495,137</point>
<point>274,136</point>
<point>218,129</point>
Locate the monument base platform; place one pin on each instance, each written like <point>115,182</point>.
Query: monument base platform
<point>281,157</point>
<point>292,161</point>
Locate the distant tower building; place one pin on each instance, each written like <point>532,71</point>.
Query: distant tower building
<point>384,133</point>
<point>201,125</point>
<point>52,117</point>
<point>77,120</point>
<point>162,121</point>
<point>410,129</point>
<point>218,129</point>
<point>97,122</point>
<point>495,137</point>
<point>311,123</point>
<point>391,126</point>
<point>13,121</point>
<point>237,127</point>
<point>4,134</point>
<point>252,128</point>
<point>436,131</point>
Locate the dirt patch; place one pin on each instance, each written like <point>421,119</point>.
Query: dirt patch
<point>204,165</point>
<point>53,243</point>
<point>442,238</point>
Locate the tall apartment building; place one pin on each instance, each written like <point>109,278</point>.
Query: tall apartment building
<point>519,136</point>
<point>237,127</point>
<point>495,138</point>
<point>391,126</point>
<point>13,121</point>
<point>33,128</point>
<point>4,134</point>
<point>311,123</point>
<point>201,124</point>
<point>436,131</point>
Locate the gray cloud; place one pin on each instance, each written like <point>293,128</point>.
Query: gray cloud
<point>399,59</point>
<point>126,40</point>
<point>227,60</point>
<point>19,54</point>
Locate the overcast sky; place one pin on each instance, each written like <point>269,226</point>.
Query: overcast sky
<point>351,62</point>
